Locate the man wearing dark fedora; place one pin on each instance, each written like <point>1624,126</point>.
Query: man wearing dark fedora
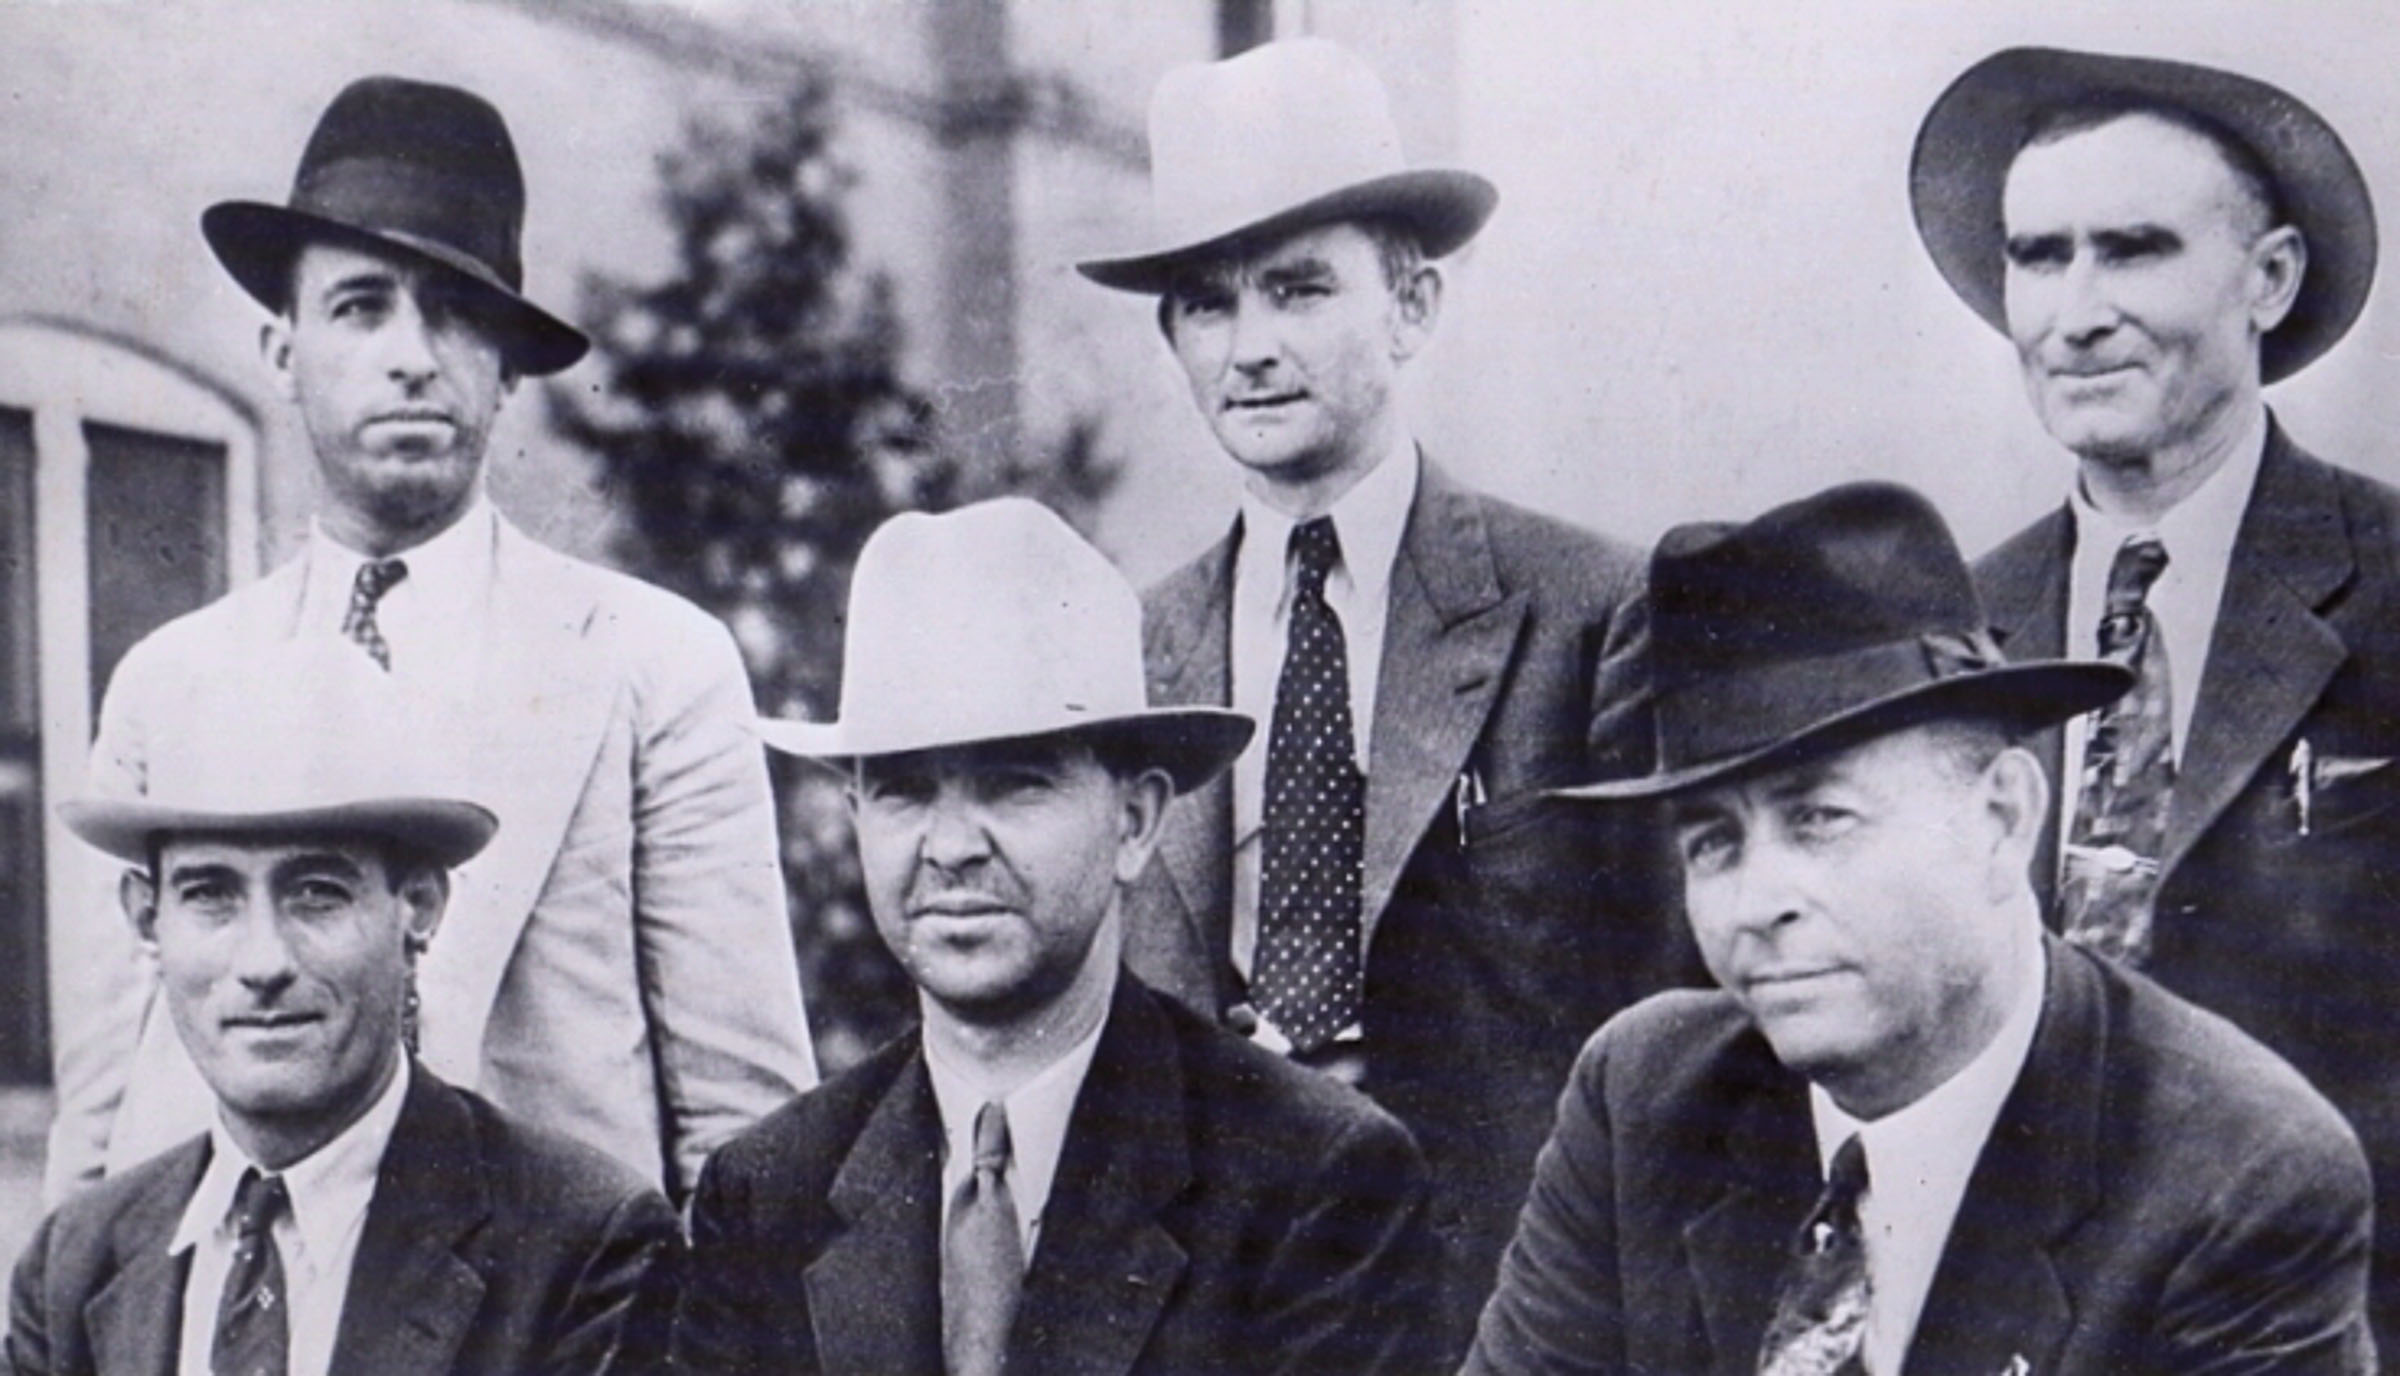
<point>1912,1131</point>
<point>618,964</point>
<point>343,1209</point>
<point>1061,1170</point>
<point>2161,241</point>
<point>1380,881</point>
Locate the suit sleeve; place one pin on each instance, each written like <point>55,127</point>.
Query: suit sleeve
<point>1350,1287</point>
<point>720,977</point>
<point>2277,1280</point>
<point>1558,1305</point>
<point>620,1308</point>
<point>717,1326</point>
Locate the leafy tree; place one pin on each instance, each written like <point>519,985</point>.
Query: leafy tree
<point>754,429</point>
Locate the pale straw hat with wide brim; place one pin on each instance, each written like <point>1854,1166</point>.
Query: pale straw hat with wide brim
<point>1282,138</point>
<point>998,622</point>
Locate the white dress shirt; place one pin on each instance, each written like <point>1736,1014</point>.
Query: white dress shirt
<point>2198,534</point>
<point>1368,522</point>
<point>1037,1110</point>
<point>429,619</point>
<point>1918,1161</point>
<point>318,1238</point>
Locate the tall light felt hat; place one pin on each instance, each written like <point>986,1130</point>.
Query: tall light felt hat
<point>997,622</point>
<point>311,739</point>
<point>410,168</point>
<point>1826,622</point>
<point>1975,129</point>
<point>1281,138</point>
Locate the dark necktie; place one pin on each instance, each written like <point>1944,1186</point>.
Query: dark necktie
<point>983,1256</point>
<point>2110,876</point>
<point>1821,1298</point>
<point>1305,974</point>
<point>253,1334</point>
<point>375,578</point>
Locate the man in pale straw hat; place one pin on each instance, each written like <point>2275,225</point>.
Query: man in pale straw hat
<point>344,1209</point>
<point>618,964</point>
<point>1379,887</point>
<point>1061,1169</point>
<point>2161,241</point>
<point>1912,1131</point>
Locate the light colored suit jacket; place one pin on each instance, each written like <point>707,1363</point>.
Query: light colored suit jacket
<point>616,965</point>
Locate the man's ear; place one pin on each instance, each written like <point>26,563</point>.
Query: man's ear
<point>2278,261</point>
<point>2017,797</point>
<point>1143,815</point>
<point>137,894</point>
<point>1416,309</point>
<point>424,894</point>
<point>275,350</point>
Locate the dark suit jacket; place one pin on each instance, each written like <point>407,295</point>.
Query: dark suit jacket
<point>2159,1194</point>
<point>1215,1209</point>
<point>1493,947</point>
<point>2296,938</point>
<point>490,1246</point>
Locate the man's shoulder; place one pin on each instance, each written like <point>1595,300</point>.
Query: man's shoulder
<point>1670,1047</point>
<point>800,1146</point>
<point>620,600</point>
<point>538,1172</point>
<point>168,1177</point>
<point>1272,1105</point>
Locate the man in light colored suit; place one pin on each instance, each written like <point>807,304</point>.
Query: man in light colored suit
<point>2161,242</point>
<point>1380,882</point>
<point>618,966</point>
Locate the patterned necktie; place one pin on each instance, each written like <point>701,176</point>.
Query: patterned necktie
<point>2110,875</point>
<point>983,1256</point>
<point>1820,1318</point>
<point>1306,977</point>
<point>253,1335</point>
<point>375,578</point>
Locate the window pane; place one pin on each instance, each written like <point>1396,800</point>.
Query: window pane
<point>24,1022</point>
<point>157,506</point>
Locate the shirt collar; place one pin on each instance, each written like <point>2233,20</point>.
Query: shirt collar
<point>1368,521</point>
<point>1038,1111</point>
<point>330,1187</point>
<point>2197,531</point>
<point>442,572</point>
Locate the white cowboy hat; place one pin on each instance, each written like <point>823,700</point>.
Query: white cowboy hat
<point>312,740</point>
<point>996,622</point>
<point>1282,137</point>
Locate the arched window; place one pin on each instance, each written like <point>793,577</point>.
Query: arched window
<point>128,495</point>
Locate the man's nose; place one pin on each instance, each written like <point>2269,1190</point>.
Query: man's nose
<point>1765,889</point>
<point>2086,309</point>
<point>956,836</point>
<point>1254,340</point>
<point>408,344</point>
<point>262,958</point>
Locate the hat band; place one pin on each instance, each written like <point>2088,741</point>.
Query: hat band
<point>466,215</point>
<point>1723,715</point>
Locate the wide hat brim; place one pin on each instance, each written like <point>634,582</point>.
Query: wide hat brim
<point>1444,207</point>
<point>2022,697</point>
<point>1192,744</point>
<point>1959,170</point>
<point>446,832</point>
<point>258,243</point>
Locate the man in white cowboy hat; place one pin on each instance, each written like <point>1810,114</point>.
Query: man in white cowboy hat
<point>1380,883</point>
<point>1061,1169</point>
<point>344,1208</point>
<point>2161,241</point>
<point>1912,1131</point>
<point>619,964</point>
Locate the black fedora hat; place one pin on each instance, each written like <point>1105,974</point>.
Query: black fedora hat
<point>1823,623</point>
<point>407,167</point>
<point>1975,129</point>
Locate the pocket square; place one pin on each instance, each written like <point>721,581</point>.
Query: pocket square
<point>2325,771</point>
<point>2017,1366</point>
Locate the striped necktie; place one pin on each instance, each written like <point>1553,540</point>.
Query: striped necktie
<point>253,1335</point>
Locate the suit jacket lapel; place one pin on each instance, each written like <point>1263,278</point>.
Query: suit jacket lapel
<point>2271,654</point>
<point>874,1292</point>
<point>413,1288</point>
<point>528,736</point>
<point>1997,1293</point>
<point>1105,1266</point>
<point>1189,659</point>
<point>1446,646</point>
<point>1736,1245</point>
<point>136,1320</point>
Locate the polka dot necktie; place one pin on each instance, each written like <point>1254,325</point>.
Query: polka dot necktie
<point>253,1334</point>
<point>1822,1296</point>
<point>375,578</point>
<point>983,1256</point>
<point>2110,875</point>
<point>1305,977</point>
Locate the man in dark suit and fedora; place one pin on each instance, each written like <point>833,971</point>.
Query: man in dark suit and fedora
<point>1061,1170</point>
<point>618,963</point>
<point>1912,1132</point>
<point>1380,880</point>
<point>346,1210</point>
<point>2161,241</point>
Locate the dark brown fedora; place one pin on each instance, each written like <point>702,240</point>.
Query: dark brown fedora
<point>1975,129</point>
<point>410,168</point>
<point>1823,623</point>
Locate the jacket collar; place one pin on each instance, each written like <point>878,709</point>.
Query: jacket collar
<point>136,1320</point>
<point>415,1287</point>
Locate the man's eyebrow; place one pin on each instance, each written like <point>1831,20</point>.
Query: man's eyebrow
<point>317,863</point>
<point>2022,246</point>
<point>365,279</point>
<point>2138,237</point>
<point>1300,269</point>
<point>191,871</point>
